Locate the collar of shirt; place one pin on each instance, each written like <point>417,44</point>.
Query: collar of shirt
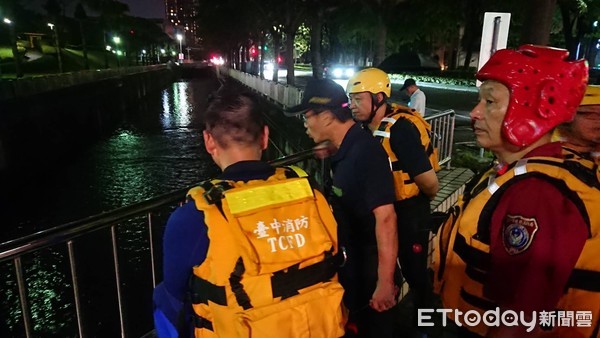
<point>247,170</point>
<point>552,149</point>
<point>347,142</point>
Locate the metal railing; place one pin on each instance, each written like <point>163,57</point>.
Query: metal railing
<point>287,96</point>
<point>67,235</point>
<point>442,130</point>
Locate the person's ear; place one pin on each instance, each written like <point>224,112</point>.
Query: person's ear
<point>209,143</point>
<point>265,138</point>
<point>326,118</point>
<point>380,97</point>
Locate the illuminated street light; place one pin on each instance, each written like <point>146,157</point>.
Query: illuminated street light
<point>162,51</point>
<point>143,51</point>
<point>180,38</point>
<point>117,41</point>
<point>56,42</point>
<point>108,48</point>
<point>15,49</point>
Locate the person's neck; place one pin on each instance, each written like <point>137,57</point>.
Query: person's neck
<point>509,156</point>
<point>234,155</point>
<point>339,132</point>
<point>379,115</point>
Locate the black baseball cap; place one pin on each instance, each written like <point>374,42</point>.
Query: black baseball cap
<point>408,83</point>
<point>323,94</point>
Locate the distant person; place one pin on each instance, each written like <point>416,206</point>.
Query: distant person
<point>583,133</point>
<point>406,138</point>
<point>525,235</point>
<point>362,198</point>
<point>417,97</point>
<point>254,251</point>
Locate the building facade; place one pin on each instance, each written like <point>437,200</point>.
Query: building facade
<point>180,16</point>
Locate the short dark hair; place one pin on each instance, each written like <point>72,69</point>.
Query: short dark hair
<point>234,116</point>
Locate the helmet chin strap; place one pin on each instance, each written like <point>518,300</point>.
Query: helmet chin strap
<point>374,107</point>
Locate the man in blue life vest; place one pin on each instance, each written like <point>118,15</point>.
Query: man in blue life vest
<point>361,197</point>
<point>254,252</point>
<point>405,136</point>
<point>526,234</point>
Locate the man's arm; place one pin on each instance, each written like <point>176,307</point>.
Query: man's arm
<point>419,103</point>
<point>185,244</point>
<point>428,183</point>
<point>406,144</point>
<point>386,233</point>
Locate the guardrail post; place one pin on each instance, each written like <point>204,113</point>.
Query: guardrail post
<point>23,297</point>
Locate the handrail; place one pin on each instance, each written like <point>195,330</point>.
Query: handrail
<point>71,230</point>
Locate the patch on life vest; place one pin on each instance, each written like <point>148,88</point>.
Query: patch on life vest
<point>518,233</point>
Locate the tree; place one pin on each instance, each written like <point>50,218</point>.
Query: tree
<point>385,12</point>
<point>578,18</point>
<point>111,11</point>
<point>536,29</point>
<point>81,16</point>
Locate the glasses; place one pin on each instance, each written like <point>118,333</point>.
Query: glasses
<point>313,112</point>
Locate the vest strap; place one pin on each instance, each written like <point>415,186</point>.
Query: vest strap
<point>203,291</point>
<point>471,256</point>
<point>584,280</point>
<point>286,284</point>
<point>236,286</point>
<point>202,323</point>
<point>476,301</point>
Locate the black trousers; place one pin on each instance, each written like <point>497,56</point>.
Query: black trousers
<point>359,278</point>
<point>414,221</point>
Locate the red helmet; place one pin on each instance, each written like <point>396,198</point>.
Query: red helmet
<point>545,89</point>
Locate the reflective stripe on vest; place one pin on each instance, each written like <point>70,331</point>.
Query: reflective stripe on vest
<point>404,184</point>
<point>462,256</point>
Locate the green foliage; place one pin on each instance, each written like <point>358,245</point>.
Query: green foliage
<point>447,78</point>
<point>302,40</point>
<point>469,156</point>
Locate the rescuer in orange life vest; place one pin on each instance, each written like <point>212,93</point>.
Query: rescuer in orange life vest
<point>525,235</point>
<point>256,249</point>
<point>583,133</point>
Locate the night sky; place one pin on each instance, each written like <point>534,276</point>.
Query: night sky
<point>146,8</point>
<point>154,9</point>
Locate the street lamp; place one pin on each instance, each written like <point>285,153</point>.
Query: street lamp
<point>60,65</point>
<point>15,50</point>
<point>180,38</point>
<point>117,41</point>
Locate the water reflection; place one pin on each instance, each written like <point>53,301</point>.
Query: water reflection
<point>156,150</point>
<point>178,105</point>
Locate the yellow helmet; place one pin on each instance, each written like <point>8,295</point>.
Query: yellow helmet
<point>370,80</point>
<point>591,97</point>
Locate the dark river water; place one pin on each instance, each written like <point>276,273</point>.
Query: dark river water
<point>156,149</point>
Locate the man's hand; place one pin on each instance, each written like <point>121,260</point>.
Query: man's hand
<point>384,297</point>
<point>324,150</point>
